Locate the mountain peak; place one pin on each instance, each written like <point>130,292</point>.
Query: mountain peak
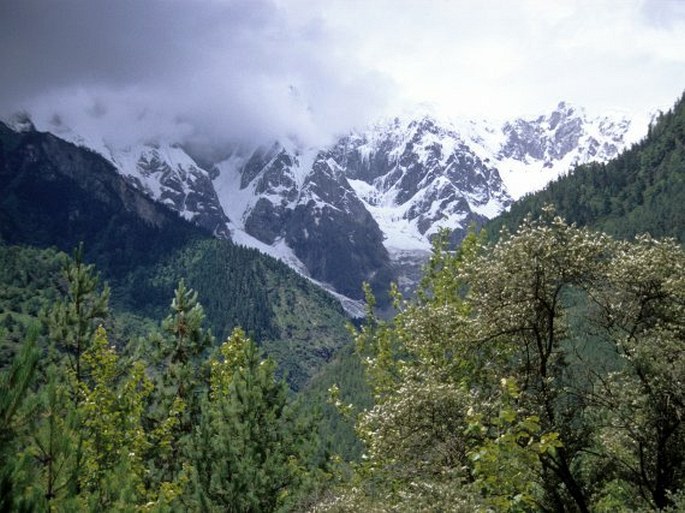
<point>21,122</point>
<point>567,109</point>
<point>352,211</point>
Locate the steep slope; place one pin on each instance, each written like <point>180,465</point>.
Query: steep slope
<point>161,170</point>
<point>366,208</point>
<point>53,193</point>
<point>536,151</point>
<point>642,190</point>
<point>300,204</point>
<point>168,174</point>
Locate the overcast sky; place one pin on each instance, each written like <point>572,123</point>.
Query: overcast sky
<point>215,70</point>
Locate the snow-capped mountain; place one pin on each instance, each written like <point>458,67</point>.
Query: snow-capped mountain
<point>533,152</point>
<point>301,206</point>
<point>366,208</point>
<point>166,173</point>
<point>416,176</point>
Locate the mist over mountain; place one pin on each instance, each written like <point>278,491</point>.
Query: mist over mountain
<point>366,207</point>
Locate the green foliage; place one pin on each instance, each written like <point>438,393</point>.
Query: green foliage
<point>518,290</point>
<point>27,277</point>
<point>184,341</point>
<point>229,278</point>
<point>507,463</point>
<point>345,373</point>
<point>177,356</point>
<point>484,397</point>
<point>83,449</point>
<point>14,385</point>
<point>87,454</point>
<point>416,452</point>
<point>296,323</point>
<point>113,436</point>
<point>249,452</point>
<point>56,439</point>
<point>73,320</point>
<point>641,191</point>
<point>31,281</point>
<point>106,433</point>
<point>642,405</point>
<point>52,445</point>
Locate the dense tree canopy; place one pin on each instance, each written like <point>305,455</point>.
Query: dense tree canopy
<point>170,427</point>
<point>542,373</point>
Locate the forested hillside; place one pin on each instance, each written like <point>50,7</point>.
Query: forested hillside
<point>542,373</point>
<point>640,191</point>
<point>296,322</point>
<point>541,370</point>
<point>169,422</point>
<point>54,194</point>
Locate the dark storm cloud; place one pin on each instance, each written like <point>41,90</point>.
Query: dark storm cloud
<point>196,69</point>
<point>46,44</point>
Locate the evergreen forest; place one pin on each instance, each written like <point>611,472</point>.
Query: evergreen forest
<point>640,191</point>
<point>538,368</point>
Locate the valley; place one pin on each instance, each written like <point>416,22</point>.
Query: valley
<point>494,360</point>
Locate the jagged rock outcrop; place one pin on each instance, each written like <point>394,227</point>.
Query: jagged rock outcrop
<point>367,207</point>
<point>67,195</point>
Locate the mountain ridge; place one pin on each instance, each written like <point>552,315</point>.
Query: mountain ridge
<point>641,190</point>
<point>366,207</point>
<point>54,194</point>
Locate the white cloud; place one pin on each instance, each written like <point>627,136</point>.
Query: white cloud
<point>216,70</point>
<point>506,58</point>
<point>203,70</point>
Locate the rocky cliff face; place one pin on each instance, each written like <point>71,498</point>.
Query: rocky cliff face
<point>366,208</point>
<point>535,151</point>
<point>53,193</point>
<point>302,206</point>
<point>566,130</point>
<point>166,173</point>
<point>419,176</point>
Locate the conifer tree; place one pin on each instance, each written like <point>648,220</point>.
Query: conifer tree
<point>73,320</point>
<point>14,386</point>
<point>249,453</point>
<point>176,355</point>
<point>54,444</point>
<point>181,348</point>
<point>57,439</point>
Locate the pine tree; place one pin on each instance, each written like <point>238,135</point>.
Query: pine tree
<point>176,355</point>
<point>14,386</point>
<point>54,444</point>
<point>58,437</point>
<point>73,320</point>
<point>249,453</point>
